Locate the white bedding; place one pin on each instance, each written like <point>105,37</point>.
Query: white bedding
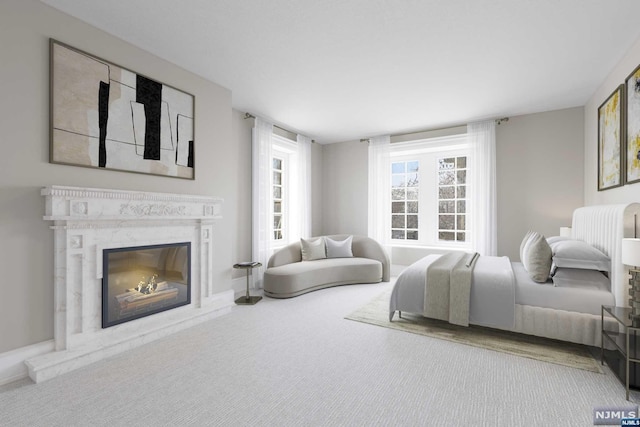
<point>585,299</point>
<point>497,286</point>
<point>492,299</point>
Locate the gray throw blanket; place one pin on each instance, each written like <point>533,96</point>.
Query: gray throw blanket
<point>448,288</point>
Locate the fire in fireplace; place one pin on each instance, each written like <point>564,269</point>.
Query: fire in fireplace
<point>144,280</point>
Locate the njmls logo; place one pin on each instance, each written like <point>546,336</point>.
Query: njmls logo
<point>608,416</point>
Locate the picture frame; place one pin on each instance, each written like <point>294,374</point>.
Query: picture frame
<point>105,116</point>
<point>610,138</point>
<point>632,131</point>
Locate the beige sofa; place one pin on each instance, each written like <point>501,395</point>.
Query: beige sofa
<point>288,276</point>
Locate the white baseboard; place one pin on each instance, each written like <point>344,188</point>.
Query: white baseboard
<point>12,367</point>
<point>239,284</point>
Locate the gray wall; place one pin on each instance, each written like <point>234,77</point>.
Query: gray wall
<point>345,191</point>
<point>625,194</point>
<point>317,196</point>
<point>26,242</point>
<point>539,173</point>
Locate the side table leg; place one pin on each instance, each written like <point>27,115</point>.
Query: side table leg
<point>627,362</point>
<point>248,296</point>
<point>601,335</point>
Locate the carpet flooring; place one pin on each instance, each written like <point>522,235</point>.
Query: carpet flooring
<point>299,362</point>
<point>376,312</point>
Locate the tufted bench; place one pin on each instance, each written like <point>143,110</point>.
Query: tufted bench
<point>288,276</point>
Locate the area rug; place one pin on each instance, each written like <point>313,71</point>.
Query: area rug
<point>376,312</point>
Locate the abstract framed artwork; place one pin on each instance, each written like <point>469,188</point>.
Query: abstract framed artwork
<point>105,116</point>
<point>610,119</point>
<point>632,134</point>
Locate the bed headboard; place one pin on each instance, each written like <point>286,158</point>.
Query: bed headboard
<point>603,227</point>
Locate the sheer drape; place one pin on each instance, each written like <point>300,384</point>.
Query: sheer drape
<point>261,187</point>
<point>482,141</point>
<point>379,218</point>
<point>304,187</point>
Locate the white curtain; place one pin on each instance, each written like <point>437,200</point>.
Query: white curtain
<point>261,187</point>
<point>482,139</point>
<point>303,201</point>
<point>379,225</point>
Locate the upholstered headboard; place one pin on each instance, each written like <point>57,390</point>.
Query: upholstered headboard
<point>603,227</point>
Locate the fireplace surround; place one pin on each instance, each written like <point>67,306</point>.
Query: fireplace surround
<point>87,222</point>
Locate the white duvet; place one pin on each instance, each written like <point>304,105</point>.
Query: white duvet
<point>492,300</point>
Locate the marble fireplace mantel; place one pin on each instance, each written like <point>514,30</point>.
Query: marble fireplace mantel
<point>86,221</point>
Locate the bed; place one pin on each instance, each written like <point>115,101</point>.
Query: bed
<point>503,295</point>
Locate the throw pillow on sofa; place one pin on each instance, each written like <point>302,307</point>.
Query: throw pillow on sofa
<point>339,248</point>
<point>313,249</point>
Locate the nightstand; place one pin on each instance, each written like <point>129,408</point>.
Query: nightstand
<point>624,354</point>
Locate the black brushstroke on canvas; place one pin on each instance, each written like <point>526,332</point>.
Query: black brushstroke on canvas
<point>149,93</point>
<point>103,118</point>
<point>190,160</point>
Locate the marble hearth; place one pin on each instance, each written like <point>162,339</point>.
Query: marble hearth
<point>86,221</point>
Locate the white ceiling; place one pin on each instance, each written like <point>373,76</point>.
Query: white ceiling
<point>339,70</point>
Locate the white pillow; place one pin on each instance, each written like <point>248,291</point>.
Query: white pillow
<point>312,249</point>
<point>536,257</point>
<point>554,239</point>
<point>580,278</point>
<point>339,248</point>
<point>578,254</point>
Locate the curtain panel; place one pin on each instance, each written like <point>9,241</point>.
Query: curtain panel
<point>298,199</point>
<point>482,139</point>
<point>379,200</point>
<point>262,218</point>
<point>304,187</point>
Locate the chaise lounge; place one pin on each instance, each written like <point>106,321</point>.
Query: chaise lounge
<point>288,275</point>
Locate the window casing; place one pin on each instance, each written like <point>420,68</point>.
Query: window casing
<point>429,193</point>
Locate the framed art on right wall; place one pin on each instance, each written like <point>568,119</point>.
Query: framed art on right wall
<point>632,144</point>
<point>610,118</point>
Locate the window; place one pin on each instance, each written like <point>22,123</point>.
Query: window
<point>404,200</point>
<point>429,192</point>
<point>452,199</point>
<point>277,198</point>
<point>282,167</point>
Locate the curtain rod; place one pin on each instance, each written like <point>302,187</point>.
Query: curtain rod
<point>497,121</point>
<point>251,116</point>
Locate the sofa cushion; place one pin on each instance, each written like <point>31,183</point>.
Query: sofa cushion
<point>300,277</point>
<point>338,248</point>
<point>313,249</point>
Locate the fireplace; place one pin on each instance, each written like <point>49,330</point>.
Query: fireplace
<point>151,253</point>
<point>144,280</point>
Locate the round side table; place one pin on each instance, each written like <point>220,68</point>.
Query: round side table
<point>248,299</point>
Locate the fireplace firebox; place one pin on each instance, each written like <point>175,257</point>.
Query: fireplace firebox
<point>144,280</point>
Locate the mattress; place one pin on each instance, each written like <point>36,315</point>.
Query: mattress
<point>492,299</point>
<point>587,299</point>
